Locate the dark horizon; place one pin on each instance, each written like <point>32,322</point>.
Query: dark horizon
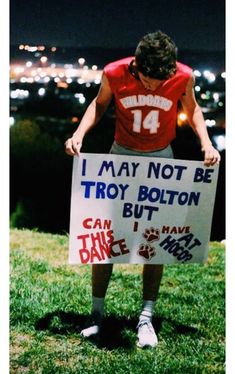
<point>196,25</point>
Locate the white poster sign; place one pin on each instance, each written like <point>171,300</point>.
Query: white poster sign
<point>129,209</point>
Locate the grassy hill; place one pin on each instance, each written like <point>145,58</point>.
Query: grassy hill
<point>50,301</point>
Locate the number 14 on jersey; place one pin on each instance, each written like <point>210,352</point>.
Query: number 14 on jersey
<point>150,122</point>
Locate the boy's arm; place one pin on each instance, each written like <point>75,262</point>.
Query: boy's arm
<point>197,122</point>
<point>91,117</point>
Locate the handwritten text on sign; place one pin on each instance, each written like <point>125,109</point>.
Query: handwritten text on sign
<point>129,209</point>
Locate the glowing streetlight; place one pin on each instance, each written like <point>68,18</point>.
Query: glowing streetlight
<point>41,91</point>
<point>197,73</point>
<point>81,61</point>
<point>210,122</point>
<point>43,59</point>
<point>182,116</point>
<point>220,142</point>
<point>209,76</point>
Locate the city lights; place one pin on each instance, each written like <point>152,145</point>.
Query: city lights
<point>18,70</point>
<point>24,73</point>
<point>32,48</point>
<point>97,80</point>
<point>181,119</point>
<point>60,78</point>
<point>46,79</point>
<point>28,64</point>
<point>210,122</point>
<point>81,61</point>
<point>197,73</point>
<point>74,119</point>
<point>216,96</point>
<point>70,72</point>
<point>62,84</point>
<point>220,142</point>
<point>204,96</point>
<point>41,91</point>
<point>209,76</point>
<point>182,116</point>
<point>19,94</point>
<point>80,81</point>
<point>43,59</point>
<point>82,100</point>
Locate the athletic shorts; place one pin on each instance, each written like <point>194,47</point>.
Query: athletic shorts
<point>117,149</point>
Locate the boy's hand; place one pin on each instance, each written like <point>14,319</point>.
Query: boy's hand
<point>73,146</point>
<point>211,155</point>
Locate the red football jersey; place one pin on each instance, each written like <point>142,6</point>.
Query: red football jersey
<point>145,120</point>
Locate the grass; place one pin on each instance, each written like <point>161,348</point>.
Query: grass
<point>50,301</point>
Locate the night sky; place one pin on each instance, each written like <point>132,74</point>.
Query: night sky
<point>192,24</point>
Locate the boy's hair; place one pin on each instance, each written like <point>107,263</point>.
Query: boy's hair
<point>156,56</point>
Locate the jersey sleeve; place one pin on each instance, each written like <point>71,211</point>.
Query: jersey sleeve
<point>115,72</point>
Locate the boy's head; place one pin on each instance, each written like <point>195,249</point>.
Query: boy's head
<point>156,55</point>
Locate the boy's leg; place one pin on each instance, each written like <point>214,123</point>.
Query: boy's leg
<point>152,275</point>
<point>101,274</point>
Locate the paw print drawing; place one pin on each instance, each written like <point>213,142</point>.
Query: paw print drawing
<point>146,251</point>
<point>151,234</point>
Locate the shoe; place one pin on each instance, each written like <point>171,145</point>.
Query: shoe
<point>146,335</point>
<point>93,325</point>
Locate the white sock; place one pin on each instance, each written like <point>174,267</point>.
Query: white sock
<point>147,310</point>
<point>98,304</point>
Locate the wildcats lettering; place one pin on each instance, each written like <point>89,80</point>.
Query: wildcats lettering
<point>147,100</point>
